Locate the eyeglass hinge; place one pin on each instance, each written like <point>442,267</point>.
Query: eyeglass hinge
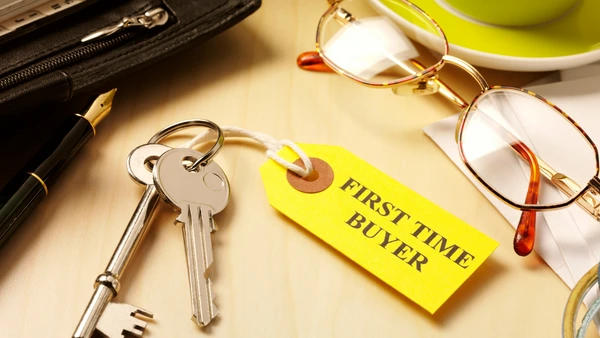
<point>595,184</point>
<point>422,87</point>
<point>343,16</point>
<point>590,201</point>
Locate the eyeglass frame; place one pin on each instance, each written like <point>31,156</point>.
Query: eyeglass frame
<point>426,82</point>
<point>430,74</point>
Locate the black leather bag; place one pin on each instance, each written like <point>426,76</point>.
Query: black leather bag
<point>48,74</point>
<point>51,64</point>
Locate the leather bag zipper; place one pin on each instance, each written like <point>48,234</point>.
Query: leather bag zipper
<point>93,44</point>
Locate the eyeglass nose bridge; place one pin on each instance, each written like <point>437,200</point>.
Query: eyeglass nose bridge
<point>467,67</point>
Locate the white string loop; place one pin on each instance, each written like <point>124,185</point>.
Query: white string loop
<point>271,145</point>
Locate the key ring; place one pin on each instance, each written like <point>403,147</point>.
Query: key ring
<point>580,290</point>
<point>169,130</point>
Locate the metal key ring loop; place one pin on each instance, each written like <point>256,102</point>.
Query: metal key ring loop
<point>169,130</point>
<point>579,292</point>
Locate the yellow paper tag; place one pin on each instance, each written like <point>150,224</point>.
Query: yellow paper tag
<point>408,242</point>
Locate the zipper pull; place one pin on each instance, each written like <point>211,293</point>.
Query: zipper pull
<point>150,19</point>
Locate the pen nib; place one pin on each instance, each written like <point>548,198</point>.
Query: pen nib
<point>100,108</point>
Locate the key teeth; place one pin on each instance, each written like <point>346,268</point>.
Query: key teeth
<point>142,312</point>
<point>199,322</point>
<point>213,309</point>
<point>135,332</point>
<point>179,219</point>
<point>213,312</point>
<point>119,319</point>
<point>212,295</point>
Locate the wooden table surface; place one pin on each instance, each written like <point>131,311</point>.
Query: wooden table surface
<point>271,277</point>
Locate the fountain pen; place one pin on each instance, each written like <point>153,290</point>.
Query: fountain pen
<point>29,186</point>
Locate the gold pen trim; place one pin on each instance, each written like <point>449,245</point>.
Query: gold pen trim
<point>41,181</point>
<point>91,124</point>
<point>99,109</point>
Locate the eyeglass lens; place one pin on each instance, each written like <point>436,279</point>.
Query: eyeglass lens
<point>509,136</point>
<point>377,47</point>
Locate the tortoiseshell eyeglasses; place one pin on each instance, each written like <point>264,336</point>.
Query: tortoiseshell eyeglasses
<point>525,150</point>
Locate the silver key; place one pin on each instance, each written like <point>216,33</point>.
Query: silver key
<point>197,195</point>
<point>100,314</point>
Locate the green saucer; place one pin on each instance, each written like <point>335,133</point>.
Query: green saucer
<point>569,41</point>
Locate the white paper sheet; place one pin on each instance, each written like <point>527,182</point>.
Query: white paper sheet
<point>568,239</point>
<point>369,46</point>
<point>590,70</point>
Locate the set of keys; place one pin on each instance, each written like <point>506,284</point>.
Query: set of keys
<point>197,188</point>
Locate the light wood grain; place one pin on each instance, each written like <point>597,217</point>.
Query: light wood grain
<point>271,277</point>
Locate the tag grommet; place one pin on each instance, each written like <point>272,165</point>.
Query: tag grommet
<point>319,180</point>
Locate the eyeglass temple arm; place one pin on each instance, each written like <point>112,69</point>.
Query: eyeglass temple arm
<point>590,201</point>
<point>312,61</point>
<point>525,234</point>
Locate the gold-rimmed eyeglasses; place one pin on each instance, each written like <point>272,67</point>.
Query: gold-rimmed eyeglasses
<point>522,148</point>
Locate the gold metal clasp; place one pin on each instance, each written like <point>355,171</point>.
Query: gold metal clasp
<point>590,201</point>
<point>343,16</point>
<point>424,86</point>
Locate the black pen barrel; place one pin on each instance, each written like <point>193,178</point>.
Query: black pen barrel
<point>17,200</point>
<point>61,147</point>
<point>26,189</point>
<point>30,186</point>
